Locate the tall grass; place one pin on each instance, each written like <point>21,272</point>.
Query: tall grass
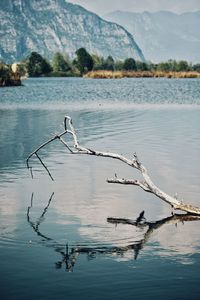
<point>101,74</point>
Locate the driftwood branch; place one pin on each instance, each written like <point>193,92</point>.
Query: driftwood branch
<point>146,184</point>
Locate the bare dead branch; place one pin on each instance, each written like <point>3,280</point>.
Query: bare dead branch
<point>35,152</point>
<point>147,184</point>
<point>64,143</point>
<point>44,166</point>
<point>130,182</point>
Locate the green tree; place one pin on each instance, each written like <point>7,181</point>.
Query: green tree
<point>109,63</point>
<point>98,62</point>
<point>164,67</point>
<point>4,70</point>
<point>196,67</point>
<point>129,64</point>
<point>173,65</point>
<point>182,66</point>
<point>119,65</point>
<point>37,65</point>
<point>60,63</point>
<point>141,66</point>
<point>84,61</point>
<point>152,66</point>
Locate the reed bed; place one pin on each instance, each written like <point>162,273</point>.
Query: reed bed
<point>104,74</point>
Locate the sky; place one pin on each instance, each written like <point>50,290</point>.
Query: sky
<point>102,7</point>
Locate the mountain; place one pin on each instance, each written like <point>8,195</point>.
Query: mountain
<point>48,26</point>
<point>163,35</point>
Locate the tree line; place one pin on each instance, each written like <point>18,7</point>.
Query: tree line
<point>35,65</point>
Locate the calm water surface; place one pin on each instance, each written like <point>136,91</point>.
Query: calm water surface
<point>55,241</point>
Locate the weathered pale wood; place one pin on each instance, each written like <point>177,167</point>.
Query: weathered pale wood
<point>147,184</point>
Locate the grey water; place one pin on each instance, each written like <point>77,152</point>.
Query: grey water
<point>55,238</point>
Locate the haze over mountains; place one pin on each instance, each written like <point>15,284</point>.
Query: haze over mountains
<point>163,35</point>
<point>48,26</point>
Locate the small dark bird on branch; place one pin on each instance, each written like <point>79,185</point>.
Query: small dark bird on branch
<point>141,217</point>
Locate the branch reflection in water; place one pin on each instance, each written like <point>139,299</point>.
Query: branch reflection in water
<point>70,255</point>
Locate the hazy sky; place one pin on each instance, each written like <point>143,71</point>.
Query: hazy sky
<point>103,6</point>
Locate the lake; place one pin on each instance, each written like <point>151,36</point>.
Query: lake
<point>55,239</point>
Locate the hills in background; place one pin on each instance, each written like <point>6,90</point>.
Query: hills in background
<point>163,35</point>
<point>48,26</point>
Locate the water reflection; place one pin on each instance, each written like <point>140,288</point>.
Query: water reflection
<point>69,254</point>
<point>72,225</point>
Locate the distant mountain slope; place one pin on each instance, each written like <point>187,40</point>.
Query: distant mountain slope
<point>163,35</point>
<point>47,26</point>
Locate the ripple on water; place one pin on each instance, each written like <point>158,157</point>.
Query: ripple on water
<point>159,119</point>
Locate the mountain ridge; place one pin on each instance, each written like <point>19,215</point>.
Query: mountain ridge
<point>163,35</point>
<point>151,12</point>
<point>48,26</point>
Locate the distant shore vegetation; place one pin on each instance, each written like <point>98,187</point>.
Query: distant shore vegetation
<point>9,75</point>
<point>92,66</point>
<point>103,74</point>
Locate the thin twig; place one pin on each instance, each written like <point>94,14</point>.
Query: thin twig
<point>64,143</point>
<point>44,166</point>
<point>129,182</point>
<point>57,136</point>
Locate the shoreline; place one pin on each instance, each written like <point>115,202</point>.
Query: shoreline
<point>104,74</point>
<point>10,83</point>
